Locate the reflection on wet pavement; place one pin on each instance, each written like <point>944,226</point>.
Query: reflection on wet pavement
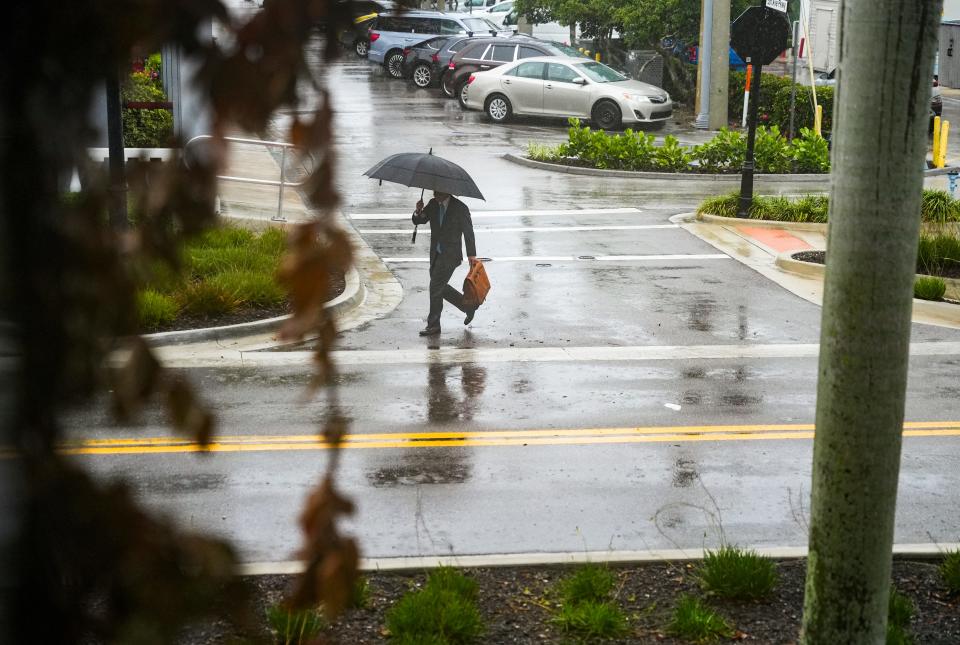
<point>443,406</point>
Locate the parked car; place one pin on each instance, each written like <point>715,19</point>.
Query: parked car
<point>390,34</point>
<point>498,13</point>
<point>565,87</point>
<point>423,62</point>
<point>467,4</point>
<point>489,53</point>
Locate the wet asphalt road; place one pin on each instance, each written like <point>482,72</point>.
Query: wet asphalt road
<point>570,487</point>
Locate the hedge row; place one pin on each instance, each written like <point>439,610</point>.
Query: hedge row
<point>774,107</point>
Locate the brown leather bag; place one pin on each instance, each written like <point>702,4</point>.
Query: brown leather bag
<point>476,286</point>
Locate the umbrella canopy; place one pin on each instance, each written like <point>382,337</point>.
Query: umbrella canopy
<point>421,170</point>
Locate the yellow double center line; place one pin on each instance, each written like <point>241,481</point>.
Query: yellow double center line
<point>582,436</point>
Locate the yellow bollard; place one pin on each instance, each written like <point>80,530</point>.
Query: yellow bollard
<point>598,57</point>
<point>587,52</point>
<point>936,141</point>
<point>818,121</point>
<point>944,136</point>
<point>580,49</point>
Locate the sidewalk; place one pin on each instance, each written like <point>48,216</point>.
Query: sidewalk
<point>766,247</point>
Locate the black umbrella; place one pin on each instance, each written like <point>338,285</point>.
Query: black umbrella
<point>425,171</point>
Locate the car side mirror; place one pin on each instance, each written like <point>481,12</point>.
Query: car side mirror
<point>579,81</point>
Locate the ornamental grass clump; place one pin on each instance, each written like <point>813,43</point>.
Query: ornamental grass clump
<point>293,627</point>
<point>950,570</point>
<point>929,288</point>
<point>937,207</point>
<point>444,612</point>
<point>155,309</point>
<point>738,574</point>
<point>938,254</point>
<point>588,609</point>
<point>694,621</point>
<point>900,610</point>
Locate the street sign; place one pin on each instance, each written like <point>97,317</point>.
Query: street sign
<point>779,5</point>
<point>760,34</point>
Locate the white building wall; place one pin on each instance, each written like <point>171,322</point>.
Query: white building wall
<point>822,18</point>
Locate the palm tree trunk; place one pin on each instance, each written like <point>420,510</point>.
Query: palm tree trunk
<point>880,120</point>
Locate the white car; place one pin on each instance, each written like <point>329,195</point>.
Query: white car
<point>564,87</point>
<point>498,12</point>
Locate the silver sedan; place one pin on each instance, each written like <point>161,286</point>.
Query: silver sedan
<point>564,87</point>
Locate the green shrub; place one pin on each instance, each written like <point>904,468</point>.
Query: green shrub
<point>145,128</point>
<point>442,613</point>
<point>722,205</point>
<point>950,571</point>
<point>360,594</point>
<point>803,115</point>
<point>731,572</point>
<point>592,620</point>
<point>929,288</point>
<point>589,583</point>
<point>770,86</point>
<point>938,253</point>
<point>694,621</point>
<point>295,627</point>
<point>810,152</point>
<point>155,309</point>
<point>810,208</point>
<point>899,614</point>
<point>671,156</point>
<point>723,153</point>
<point>937,207</point>
<point>771,151</point>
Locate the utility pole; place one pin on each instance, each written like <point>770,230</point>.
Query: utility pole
<point>704,64</point>
<point>720,65</point>
<point>118,179</point>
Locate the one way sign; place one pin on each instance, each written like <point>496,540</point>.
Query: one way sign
<point>779,5</point>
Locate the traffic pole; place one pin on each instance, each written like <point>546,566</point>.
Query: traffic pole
<point>793,85</point>
<point>746,175</point>
<point>746,95</point>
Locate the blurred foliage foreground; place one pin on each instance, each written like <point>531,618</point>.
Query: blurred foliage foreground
<point>85,562</point>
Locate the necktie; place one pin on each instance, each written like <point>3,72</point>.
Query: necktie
<point>443,211</point>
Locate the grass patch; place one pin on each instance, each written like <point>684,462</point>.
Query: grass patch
<point>360,595</point>
<point>938,253</point>
<point>224,269</point>
<point>694,621</point>
<point>950,571</point>
<point>731,572</point>
<point>938,207</point>
<point>295,627</point>
<point>541,152</point>
<point>592,619</point>
<point>900,611</point>
<point>155,309</point>
<point>587,609</point>
<point>444,612</point>
<point>929,288</point>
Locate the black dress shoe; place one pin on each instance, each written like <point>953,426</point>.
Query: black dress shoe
<point>430,331</point>
<point>470,313</point>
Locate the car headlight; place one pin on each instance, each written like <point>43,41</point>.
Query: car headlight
<point>640,98</point>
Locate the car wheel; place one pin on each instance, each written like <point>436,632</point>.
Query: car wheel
<point>362,47</point>
<point>462,90</point>
<point>606,115</point>
<point>394,63</point>
<point>446,85</point>
<point>498,108</point>
<point>422,76</point>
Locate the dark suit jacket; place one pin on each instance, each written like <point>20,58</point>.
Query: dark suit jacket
<point>456,224</point>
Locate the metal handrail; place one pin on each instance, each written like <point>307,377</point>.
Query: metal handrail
<point>282,183</point>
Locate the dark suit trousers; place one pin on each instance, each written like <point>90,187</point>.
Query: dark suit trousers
<point>440,290</point>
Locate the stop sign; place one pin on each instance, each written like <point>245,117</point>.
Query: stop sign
<point>760,34</point>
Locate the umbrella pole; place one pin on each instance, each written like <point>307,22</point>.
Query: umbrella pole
<point>413,240</point>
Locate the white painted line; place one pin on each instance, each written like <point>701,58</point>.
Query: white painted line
<point>419,563</point>
<point>173,357</point>
<point>526,229</point>
<point>532,213</point>
<point>572,258</point>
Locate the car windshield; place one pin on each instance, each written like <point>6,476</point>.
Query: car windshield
<point>600,73</point>
<point>479,24</point>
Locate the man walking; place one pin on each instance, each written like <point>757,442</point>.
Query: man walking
<point>449,221</point>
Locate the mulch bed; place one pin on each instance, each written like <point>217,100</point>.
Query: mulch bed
<point>244,315</point>
<point>517,604</point>
<point>820,257</point>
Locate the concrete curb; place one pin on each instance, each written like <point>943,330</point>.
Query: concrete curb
<point>353,295</point>
<point>931,308</point>
<point>419,563</point>
<point>763,223</point>
<point>733,179</point>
